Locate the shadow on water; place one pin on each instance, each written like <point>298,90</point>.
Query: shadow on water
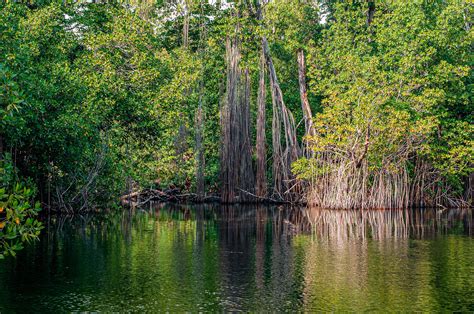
<point>251,258</point>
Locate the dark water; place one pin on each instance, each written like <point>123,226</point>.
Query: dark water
<point>246,258</point>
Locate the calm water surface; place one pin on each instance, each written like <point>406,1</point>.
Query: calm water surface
<point>215,258</point>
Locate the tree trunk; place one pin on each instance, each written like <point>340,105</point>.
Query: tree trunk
<point>186,26</point>
<point>307,115</point>
<point>370,11</point>
<point>236,159</point>
<point>230,139</point>
<point>261,186</point>
<point>246,179</point>
<point>283,157</point>
<point>199,148</point>
<point>181,143</point>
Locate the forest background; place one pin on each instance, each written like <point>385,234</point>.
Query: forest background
<point>345,104</point>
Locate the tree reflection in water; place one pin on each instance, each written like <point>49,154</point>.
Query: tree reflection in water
<point>253,258</point>
<point>241,221</point>
<point>339,225</point>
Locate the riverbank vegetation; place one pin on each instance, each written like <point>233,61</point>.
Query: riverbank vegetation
<point>17,211</point>
<point>342,104</point>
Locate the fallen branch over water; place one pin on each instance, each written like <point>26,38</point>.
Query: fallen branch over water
<point>143,197</point>
<point>263,199</point>
<point>140,198</point>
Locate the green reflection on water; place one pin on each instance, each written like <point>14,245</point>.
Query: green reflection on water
<point>216,258</point>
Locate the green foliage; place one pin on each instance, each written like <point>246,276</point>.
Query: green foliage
<point>399,86</point>
<point>17,212</point>
<point>98,98</point>
<point>91,101</point>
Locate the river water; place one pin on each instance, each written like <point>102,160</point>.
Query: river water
<point>248,258</point>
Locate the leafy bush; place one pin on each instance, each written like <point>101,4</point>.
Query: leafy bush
<point>18,223</point>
